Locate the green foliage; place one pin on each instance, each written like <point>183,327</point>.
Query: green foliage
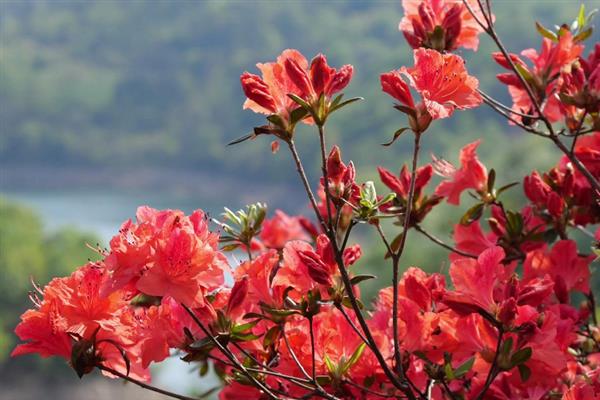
<point>26,251</point>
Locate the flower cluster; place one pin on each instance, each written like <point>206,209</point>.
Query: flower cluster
<point>515,318</point>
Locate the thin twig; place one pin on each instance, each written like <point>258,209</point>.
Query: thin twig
<point>441,243</point>
<point>397,255</point>
<point>493,372</point>
<point>145,385</point>
<point>228,354</point>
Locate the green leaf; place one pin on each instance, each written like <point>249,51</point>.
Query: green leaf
<point>354,357</point>
<point>298,115</point>
<point>337,100</point>
<point>448,371</point>
<point>323,380</point>
<point>396,136</point>
<point>506,187</point>
<point>348,304</point>
<point>242,139</point>
<point>253,315</point>
<point>245,337</point>
<point>514,223</point>
<point>525,74</point>
<point>300,101</point>
<point>472,214</point>
<point>244,327</point>
<point>581,17</point>
<point>524,372</point>
<point>270,336</point>
<point>521,356</point>
<point>329,364</point>
<point>368,192</point>
<point>345,103</point>
<point>276,120</point>
<point>581,36</point>
<point>545,32</point>
<point>465,367</point>
<point>491,180</point>
<point>361,278</point>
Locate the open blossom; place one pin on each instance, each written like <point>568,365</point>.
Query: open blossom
<point>174,255</point>
<point>318,78</point>
<point>562,263</point>
<point>458,27</point>
<point>542,75</point>
<point>269,94</point>
<point>472,174</point>
<point>400,185</point>
<point>442,82</point>
<point>292,74</point>
<point>71,312</point>
<point>280,229</point>
<point>304,268</point>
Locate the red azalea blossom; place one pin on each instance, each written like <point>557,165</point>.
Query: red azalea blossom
<point>459,28</point>
<point>269,94</point>
<point>280,229</point>
<point>442,82</point>
<point>547,65</point>
<point>472,174</point>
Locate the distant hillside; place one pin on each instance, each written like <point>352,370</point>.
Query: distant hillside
<point>134,83</point>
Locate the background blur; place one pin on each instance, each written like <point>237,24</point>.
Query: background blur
<point>106,105</point>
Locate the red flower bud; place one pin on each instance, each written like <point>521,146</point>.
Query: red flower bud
<point>555,205</point>
<point>393,84</point>
<point>320,74</point>
<point>352,254</point>
<point>238,294</point>
<point>340,79</point>
<point>257,90</point>
<point>507,311</point>
<point>502,61</point>
<point>299,77</point>
<point>317,270</point>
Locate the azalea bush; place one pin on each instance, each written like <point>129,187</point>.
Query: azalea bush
<point>515,320</point>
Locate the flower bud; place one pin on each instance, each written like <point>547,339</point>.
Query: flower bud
<point>317,270</point>
<point>238,294</point>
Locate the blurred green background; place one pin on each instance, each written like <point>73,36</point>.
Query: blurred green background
<point>106,105</point>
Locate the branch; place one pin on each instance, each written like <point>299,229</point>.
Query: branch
<point>149,387</point>
<point>229,355</point>
<point>493,372</point>
<point>396,256</point>
<point>444,245</point>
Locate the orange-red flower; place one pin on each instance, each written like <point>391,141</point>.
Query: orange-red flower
<point>472,174</point>
<point>280,229</point>
<point>542,76</point>
<point>269,94</point>
<point>72,312</point>
<point>458,27</point>
<point>442,82</point>
<point>292,74</point>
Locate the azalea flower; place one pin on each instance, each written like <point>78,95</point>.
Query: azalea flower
<point>304,268</point>
<point>472,174</point>
<point>541,76</point>
<point>568,270</point>
<point>442,82</point>
<point>269,94</point>
<point>71,313</point>
<point>319,78</point>
<point>291,74</point>
<point>458,27</point>
<point>400,185</point>
<point>280,229</point>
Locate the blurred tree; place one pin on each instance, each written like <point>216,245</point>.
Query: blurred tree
<point>28,253</point>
